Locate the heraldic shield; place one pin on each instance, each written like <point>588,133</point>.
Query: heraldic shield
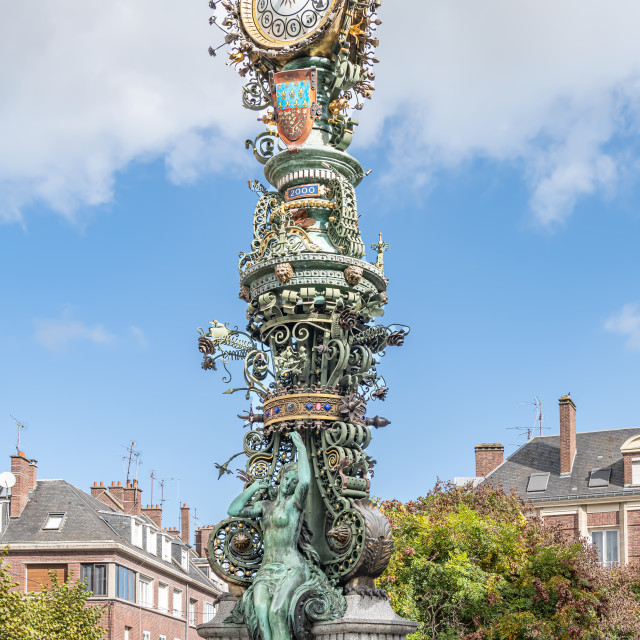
<point>294,96</point>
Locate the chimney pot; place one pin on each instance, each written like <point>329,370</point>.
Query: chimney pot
<point>101,483</point>
<point>489,455</point>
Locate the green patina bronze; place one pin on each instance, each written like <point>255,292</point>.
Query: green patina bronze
<point>303,533</point>
<point>289,582</point>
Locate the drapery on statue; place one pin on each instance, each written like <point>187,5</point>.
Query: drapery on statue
<point>289,590</point>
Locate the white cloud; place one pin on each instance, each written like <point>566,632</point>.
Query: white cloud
<point>627,323</point>
<point>553,87</point>
<point>56,334</point>
<point>89,87</point>
<point>546,85</point>
<point>139,336</point>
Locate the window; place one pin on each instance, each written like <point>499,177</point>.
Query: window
<point>146,635</point>
<point>209,611</point>
<point>163,597</point>
<point>184,558</point>
<point>192,612</point>
<point>177,603</point>
<point>127,633</point>
<point>162,637</point>
<point>39,575</point>
<point>145,591</point>
<point>538,482</point>
<point>600,477</point>
<point>96,577</point>
<point>125,584</point>
<point>53,521</point>
<point>152,541</point>
<point>635,470</point>
<point>136,533</point>
<point>166,549</point>
<point>606,543</point>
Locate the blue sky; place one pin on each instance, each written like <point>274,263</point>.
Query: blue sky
<point>503,177</point>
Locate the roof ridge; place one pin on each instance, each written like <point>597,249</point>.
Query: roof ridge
<point>557,435</point>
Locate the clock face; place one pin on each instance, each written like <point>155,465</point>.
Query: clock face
<point>283,22</point>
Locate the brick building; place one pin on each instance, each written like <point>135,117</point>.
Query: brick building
<point>587,483</point>
<point>149,580</point>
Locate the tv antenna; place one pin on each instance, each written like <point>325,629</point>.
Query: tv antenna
<point>20,428</point>
<point>539,415</point>
<point>162,482</point>
<point>132,454</point>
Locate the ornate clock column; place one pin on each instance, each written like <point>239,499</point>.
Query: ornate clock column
<point>303,534</point>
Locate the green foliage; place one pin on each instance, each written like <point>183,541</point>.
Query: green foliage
<point>58,613</point>
<point>467,563</point>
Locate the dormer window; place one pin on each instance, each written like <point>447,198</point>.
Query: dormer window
<point>152,541</point>
<point>538,482</point>
<point>166,549</point>
<point>600,477</point>
<point>136,533</point>
<point>630,451</point>
<point>53,521</point>
<point>184,558</point>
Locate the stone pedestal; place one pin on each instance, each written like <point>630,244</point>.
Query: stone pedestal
<point>217,628</point>
<point>366,618</point>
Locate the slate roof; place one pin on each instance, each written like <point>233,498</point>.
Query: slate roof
<point>82,522</point>
<point>86,519</point>
<point>594,450</point>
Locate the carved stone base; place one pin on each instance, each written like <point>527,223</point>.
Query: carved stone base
<point>218,628</point>
<point>366,618</point>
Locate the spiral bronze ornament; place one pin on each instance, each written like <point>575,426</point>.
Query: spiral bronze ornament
<point>235,550</point>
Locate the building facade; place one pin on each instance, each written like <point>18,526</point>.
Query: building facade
<point>150,582</point>
<point>587,484</point>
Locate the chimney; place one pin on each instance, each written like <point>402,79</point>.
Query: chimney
<point>154,513</point>
<point>184,523</point>
<point>21,469</point>
<point>489,455</point>
<point>117,491</point>
<point>33,469</point>
<point>131,501</point>
<point>203,534</point>
<point>567,434</point>
<point>97,491</point>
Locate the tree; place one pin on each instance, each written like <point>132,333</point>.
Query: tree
<point>59,612</point>
<point>472,564</point>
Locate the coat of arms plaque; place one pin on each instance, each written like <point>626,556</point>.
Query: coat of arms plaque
<point>294,96</point>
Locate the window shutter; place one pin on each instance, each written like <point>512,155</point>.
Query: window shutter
<point>38,578</point>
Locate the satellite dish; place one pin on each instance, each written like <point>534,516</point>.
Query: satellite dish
<point>7,479</point>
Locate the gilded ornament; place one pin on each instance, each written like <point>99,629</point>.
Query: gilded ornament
<point>244,294</point>
<point>353,274</point>
<point>341,534</point>
<point>348,319</point>
<point>241,541</point>
<point>284,272</point>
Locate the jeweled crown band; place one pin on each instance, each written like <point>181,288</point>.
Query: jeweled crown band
<point>307,406</point>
